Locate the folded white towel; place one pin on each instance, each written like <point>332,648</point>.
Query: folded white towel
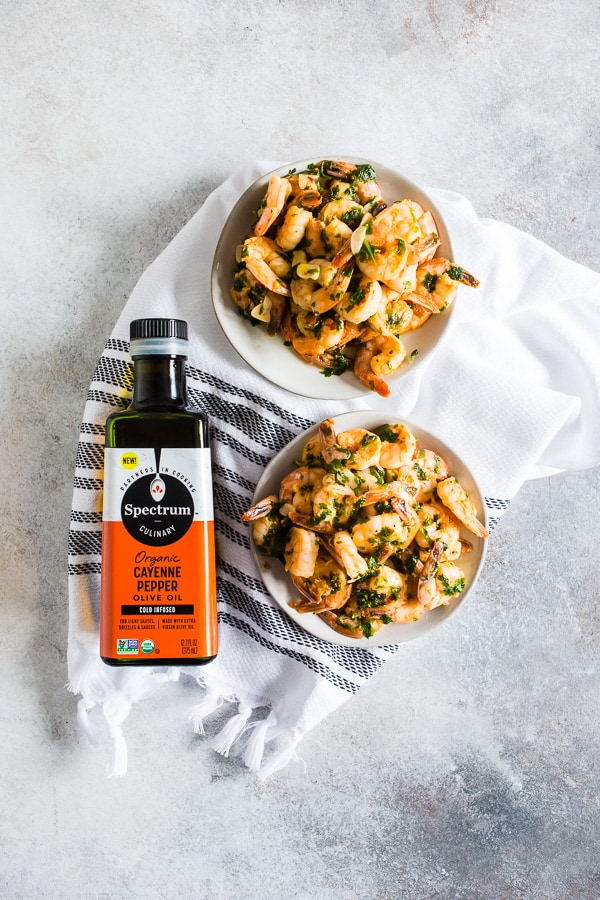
<point>514,388</point>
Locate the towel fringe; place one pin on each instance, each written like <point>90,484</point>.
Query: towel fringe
<point>232,730</point>
<point>211,702</point>
<point>255,747</point>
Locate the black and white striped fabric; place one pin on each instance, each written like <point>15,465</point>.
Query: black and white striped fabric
<point>283,680</point>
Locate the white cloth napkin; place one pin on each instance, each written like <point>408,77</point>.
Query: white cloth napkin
<point>516,384</point>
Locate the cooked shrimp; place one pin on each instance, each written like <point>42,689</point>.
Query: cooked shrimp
<point>387,529</point>
<point>308,295</point>
<point>246,292</point>
<point>277,192</point>
<point>333,504</point>
<point>376,358</point>
<point>291,231</point>
<point>437,283</point>
<point>266,262</point>
<point>311,452</point>
<point>430,468</point>
<point>385,584</point>
<point>334,236</point>
<point>266,523</point>
<point>358,305</point>
<point>326,588</point>
<point>346,553</point>
<point>398,446</point>
<point>387,597</point>
<point>301,551</point>
<point>344,209</point>
<point>313,238</point>
<point>298,489</point>
<point>305,190</point>
<point>362,178</point>
<point>453,495</point>
<point>327,335</point>
<point>439,581</point>
<point>261,509</point>
<point>353,626</point>
<point>401,235</point>
<point>437,525</point>
<point>358,447</point>
<point>393,315</point>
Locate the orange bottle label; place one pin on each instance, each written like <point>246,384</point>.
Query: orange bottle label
<point>158,589</point>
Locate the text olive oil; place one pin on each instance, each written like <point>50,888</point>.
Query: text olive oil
<point>158,588</point>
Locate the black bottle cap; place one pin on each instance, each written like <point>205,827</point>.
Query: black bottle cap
<point>141,329</point>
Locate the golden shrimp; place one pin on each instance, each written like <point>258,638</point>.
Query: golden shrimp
<point>266,262</point>
<point>386,250</point>
<point>333,503</point>
<point>362,178</point>
<point>292,229</point>
<point>266,523</point>
<point>278,190</point>
<point>430,468</point>
<point>307,294</point>
<point>385,594</point>
<point>246,292</point>
<point>398,446</point>
<point>358,305</point>
<point>326,588</point>
<point>334,236</point>
<point>437,525</point>
<point>301,551</point>
<point>345,552</point>
<point>305,190</point>
<point>311,453</point>
<point>375,359</point>
<point>439,581</point>
<point>353,625</point>
<point>437,283</point>
<point>384,530</point>
<point>313,238</point>
<point>298,488</point>
<point>393,315</point>
<point>327,335</point>
<point>344,209</point>
<point>357,447</point>
<point>453,495</point>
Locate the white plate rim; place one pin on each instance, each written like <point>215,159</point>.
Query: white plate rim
<point>277,581</point>
<point>267,355</point>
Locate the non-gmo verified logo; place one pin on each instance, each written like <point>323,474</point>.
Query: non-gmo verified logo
<point>127,646</point>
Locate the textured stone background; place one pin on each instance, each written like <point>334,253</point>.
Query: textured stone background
<point>468,767</point>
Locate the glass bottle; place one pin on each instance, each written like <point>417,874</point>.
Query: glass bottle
<point>158,587</point>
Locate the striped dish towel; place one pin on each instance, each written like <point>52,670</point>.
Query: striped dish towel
<point>514,390</point>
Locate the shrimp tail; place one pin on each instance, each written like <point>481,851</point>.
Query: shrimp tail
<point>260,509</point>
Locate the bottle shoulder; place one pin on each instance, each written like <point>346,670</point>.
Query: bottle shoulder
<point>152,428</point>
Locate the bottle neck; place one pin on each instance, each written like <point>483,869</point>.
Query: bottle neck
<point>158,382</point>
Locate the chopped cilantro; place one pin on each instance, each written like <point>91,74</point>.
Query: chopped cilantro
<point>429,282</point>
<point>365,172</point>
<point>352,217</point>
<point>367,251</point>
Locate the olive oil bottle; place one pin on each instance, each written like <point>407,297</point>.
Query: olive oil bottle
<point>158,586</point>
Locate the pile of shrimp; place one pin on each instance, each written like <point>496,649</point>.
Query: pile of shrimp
<point>368,526</point>
<point>339,274</point>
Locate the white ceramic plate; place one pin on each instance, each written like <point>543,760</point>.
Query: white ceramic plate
<point>268,355</point>
<point>278,582</point>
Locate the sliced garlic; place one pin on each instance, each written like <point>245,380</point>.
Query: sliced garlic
<point>359,234</point>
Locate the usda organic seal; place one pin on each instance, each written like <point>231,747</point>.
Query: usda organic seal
<point>147,646</point>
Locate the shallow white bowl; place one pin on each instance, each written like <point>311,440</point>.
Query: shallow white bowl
<point>268,355</point>
<point>278,582</point>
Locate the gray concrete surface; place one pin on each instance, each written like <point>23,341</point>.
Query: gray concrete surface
<point>468,767</point>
